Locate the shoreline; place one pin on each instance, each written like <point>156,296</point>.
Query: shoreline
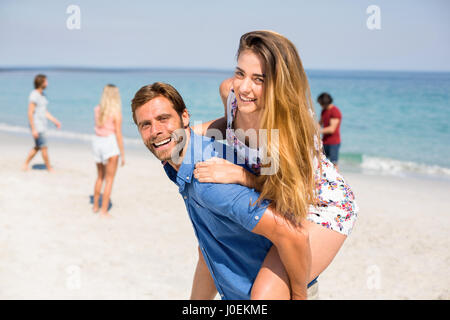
<point>369,166</point>
<point>53,247</point>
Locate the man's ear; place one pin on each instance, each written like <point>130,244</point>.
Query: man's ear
<point>185,117</point>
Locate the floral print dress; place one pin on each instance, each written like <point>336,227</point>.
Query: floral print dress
<point>336,209</point>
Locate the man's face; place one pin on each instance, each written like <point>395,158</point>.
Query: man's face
<point>157,122</point>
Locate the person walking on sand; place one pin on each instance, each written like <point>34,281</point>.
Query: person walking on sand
<point>37,117</point>
<point>107,145</point>
<point>330,122</point>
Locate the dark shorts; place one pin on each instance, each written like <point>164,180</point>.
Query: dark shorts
<point>41,141</point>
<point>332,152</point>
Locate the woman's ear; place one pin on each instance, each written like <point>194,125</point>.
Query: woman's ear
<point>185,117</point>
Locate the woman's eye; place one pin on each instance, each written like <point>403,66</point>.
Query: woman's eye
<point>239,74</point>
<point>259,80</point>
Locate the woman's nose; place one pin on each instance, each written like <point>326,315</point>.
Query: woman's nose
<point>245,86</point>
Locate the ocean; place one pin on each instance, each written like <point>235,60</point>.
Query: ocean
<point>394,123</point>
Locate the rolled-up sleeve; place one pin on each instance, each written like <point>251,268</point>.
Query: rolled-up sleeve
<point>236,202</point>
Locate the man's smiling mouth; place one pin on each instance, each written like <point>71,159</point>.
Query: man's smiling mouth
<point>162,143</point>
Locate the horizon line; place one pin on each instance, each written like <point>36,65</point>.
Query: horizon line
<point>181,69</point>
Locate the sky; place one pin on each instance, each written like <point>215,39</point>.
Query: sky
<point>201,34</point>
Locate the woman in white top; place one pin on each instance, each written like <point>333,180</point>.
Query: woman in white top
<point>107,145</point>
<point>270,91</point>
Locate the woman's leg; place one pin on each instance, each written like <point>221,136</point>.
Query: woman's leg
<point>203,287</point>
<point>272,281</point>
<point>111,168</point>
<point>98,184</point>
<point>31,155</point>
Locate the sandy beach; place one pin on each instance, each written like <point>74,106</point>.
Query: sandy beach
<point>53,247</point>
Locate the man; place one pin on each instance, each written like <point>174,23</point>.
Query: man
<point>330,120</point>
<point>37,116</point>
<point>233,232</point>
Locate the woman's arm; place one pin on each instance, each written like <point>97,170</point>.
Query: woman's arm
<point>213,127</point>
<point>203,287</point>
<point>119,137</point>
<point>218,170</point>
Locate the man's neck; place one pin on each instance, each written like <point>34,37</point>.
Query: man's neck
<point>183,152</point>
<point>40,90</point>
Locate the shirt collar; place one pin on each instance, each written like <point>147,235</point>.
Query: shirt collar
<point>186,170</point>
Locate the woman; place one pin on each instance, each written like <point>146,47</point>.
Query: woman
<point>270,91</point>
<point>107,144</point>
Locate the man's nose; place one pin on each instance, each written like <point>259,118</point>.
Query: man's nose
<point>155,130</point>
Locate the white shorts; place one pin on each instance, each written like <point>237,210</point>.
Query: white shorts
<point>105,148</point>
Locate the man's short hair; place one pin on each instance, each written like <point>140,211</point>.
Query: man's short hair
<point>324,99</point>
<point>152,91</point>
<point>39,80</point>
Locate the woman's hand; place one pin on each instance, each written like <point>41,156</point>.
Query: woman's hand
<point>218,170</point>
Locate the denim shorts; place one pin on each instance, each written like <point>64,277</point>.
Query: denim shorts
<point>332,152</point>
<point>40,141</point>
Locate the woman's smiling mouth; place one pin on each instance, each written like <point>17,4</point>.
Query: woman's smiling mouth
<point>246,99</point>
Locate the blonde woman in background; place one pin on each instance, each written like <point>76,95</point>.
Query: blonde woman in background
<point>270,91</point>
<point>107,144</point>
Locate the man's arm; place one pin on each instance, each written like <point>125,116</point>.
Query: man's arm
<point>53,119</point>
<point>292,243</point>
<point>31,107</point>
<point>332,127</point>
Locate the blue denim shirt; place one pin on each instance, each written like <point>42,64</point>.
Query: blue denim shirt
<point>223,216</point>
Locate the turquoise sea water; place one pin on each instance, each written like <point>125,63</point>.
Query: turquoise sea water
<point>393,122</point>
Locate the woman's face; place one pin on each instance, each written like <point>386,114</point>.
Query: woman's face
<point>248,82</point>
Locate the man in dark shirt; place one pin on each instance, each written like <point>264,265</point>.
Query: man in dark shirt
<point>330,121</point>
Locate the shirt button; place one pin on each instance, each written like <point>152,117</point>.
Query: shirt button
<point>185,197</point>
<point>256,218</point>
<point>187,178</point>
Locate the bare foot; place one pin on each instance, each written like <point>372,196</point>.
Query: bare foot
<point>25,167</point>
<point>105,215</point>
<point>95,209</point>
<point>50,170</point>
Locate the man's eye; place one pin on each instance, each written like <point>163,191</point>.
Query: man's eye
<point>239,73</point>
